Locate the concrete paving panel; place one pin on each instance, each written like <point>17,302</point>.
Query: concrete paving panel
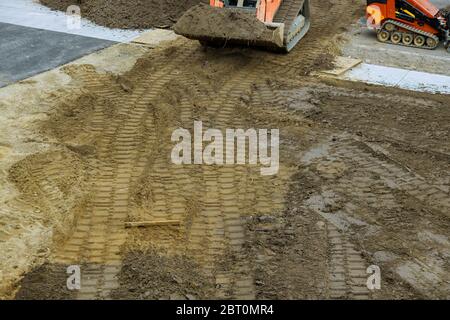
<point>25,51</point>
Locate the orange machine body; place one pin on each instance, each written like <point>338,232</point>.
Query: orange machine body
<point>265,11</point>
<point>426,7</point>
<point>379,11</point>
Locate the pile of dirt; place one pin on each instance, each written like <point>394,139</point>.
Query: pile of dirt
<point>127,14</point>
<point>47,282</point>
<point>216,23</point>
<point>149,275</point>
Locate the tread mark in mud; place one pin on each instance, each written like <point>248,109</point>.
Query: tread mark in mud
<point>347,268</point>
<point>100,232</point>
<point>372,196</point>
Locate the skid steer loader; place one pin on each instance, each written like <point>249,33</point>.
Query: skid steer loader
<point>412,23</point>
<point>286,23</point>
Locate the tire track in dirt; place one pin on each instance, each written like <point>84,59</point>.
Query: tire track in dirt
<point>373,199</point>
<point>213,203</point>
<point>100,232</point>
<point>433,279</point>
<point>242,282</point>
<point>220,218</point>
<point>234,212</point>
<point>218,229</point>
<point>206,240</point>
<point>347,268</point>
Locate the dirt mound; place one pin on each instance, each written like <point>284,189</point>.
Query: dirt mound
<point>127,14</point>
<point>149,275</point>
<point>218,23</point>
<point>46,282</point>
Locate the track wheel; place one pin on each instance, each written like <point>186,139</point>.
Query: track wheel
<point>407,38</point>
<point>419,40</point>
<point>431,42</point>
<point>396,37</point>
<point>389,27</point>
<point>383,35</point>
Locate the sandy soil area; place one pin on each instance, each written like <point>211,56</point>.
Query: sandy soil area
<point>363,179</point>
<point>28,172</point>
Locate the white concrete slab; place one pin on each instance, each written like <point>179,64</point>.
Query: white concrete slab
<point>427,82</point>
<point>401,78</point>
<point>30,13</point>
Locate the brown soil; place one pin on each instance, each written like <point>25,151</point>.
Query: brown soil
<point>60,192</point>
<point>152,275</point>
<point>228,24</point>
<point>351,191</point>
<point>47,282</point>
<point>127,14</point>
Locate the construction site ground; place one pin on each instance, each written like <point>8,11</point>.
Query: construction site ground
<point>364,177</point>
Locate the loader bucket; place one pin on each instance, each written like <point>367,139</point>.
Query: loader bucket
<point>229,25</point>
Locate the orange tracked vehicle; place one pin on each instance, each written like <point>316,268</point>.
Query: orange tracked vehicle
<point>413,23</point>
<point>286,20</point>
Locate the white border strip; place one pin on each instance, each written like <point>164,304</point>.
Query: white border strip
<point>29,13</point>
<point>401,78</point>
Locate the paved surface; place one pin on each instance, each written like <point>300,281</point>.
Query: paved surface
<point>25,51</point>
<point>30,13</point>
<point>363,45</point>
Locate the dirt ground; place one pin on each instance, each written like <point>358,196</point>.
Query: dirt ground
<point>177,277</point>
<point>128,14</point>
<point>223,24</point>
<point>363,179</point>
<point>46,282</point>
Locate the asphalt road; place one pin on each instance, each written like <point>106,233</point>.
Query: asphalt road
<point>25,52</point>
